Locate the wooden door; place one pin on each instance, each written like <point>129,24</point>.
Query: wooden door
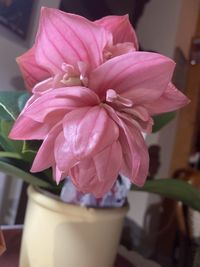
<point>188,123</point>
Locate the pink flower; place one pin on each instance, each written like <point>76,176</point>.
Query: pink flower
<point>68,45</point>
<point>93,109</point>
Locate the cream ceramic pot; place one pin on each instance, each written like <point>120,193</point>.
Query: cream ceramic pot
<point>57,234</point>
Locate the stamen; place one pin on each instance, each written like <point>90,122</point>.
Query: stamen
<point>72,81</point>
<point>74,76</point>
<point>67,68</point>
<point>113,97</point>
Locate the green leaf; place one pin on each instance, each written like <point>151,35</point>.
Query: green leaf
<point>10,155</point>
<point>9,104</point>
<point>30,149</point>
<point>173,189</point>
<point>161,120</point>
<point>23,98</point>
<point>31,146</point>
<point>4,114</point>
<point>6,143</point>
<point>27,177</point>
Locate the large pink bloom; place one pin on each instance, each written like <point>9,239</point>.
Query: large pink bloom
<point>94,133</point>
<point>93,109</point>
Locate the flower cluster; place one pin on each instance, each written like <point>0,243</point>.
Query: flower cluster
<point>93,96</point>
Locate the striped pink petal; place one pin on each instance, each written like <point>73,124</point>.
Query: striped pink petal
<point>171,99</point>
<point>64,158</point>
<point>68,38</point>
<point>139,76</point>
<point>27,129</point>
<point>106,159</point>
<point>46,151</point>
<point>134,151</point>
<point>55,104</point>
<point>88,131</point>
<point>121,29</point>
<point>134,148</point>
<point>31,71</point>
<point>84,177</point>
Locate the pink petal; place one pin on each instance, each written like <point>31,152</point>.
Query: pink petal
<point>83,173</point>
<point>57,174</point>
<point>28,129</point>
<point>138,76</point>
<point>63,156</point>
<point>143,126</point>
<point>121,29</point>
<point>45,156</point>
<point>85,179</point>
<point>88,131</point>
<point>135,153</point>
<point>69,38</point>
<point>43,86</point>
<point>171,99</point>
<point>56,103</point>
<point>118,50</point>
<point>134,148</point>
<point>31,71</point>
<point>108,162</point>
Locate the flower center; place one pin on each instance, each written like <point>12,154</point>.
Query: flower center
<point>75,75</point>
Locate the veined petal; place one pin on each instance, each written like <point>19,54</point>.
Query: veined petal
<point>143,126</point>
<point>83,173</point>
<point>45,155</point>
<point>27,129</point>
<point>134,144</point>
<point>31,71</point>
<point>108,162</point>
<point>171,99</point>
<point>138,76</point>
<point>63,156</point>
<point>69,38</point>
<point>135,153</point>
<point>88,131</point>
<point>43,86</point>
<point>85,178</point>
<point>118,50</point>
<point>121,29</point>
<point>57,174</point>
<point>56,103</point>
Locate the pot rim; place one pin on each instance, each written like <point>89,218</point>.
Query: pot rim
<point>52,202</point>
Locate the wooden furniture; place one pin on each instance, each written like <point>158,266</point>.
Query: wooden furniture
<point>188,224</point>
<point>178,242</point>
<point>2,243</point>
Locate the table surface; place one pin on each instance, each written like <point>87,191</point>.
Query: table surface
<point>13,239</point>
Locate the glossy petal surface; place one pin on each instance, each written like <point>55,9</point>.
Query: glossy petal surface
<point>171,99</point>
<point>139,76</point>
